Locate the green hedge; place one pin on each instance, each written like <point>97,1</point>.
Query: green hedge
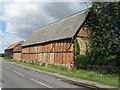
<point>112,60</point>
<point>82,60</point>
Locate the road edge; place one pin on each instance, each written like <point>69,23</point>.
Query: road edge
<point>84,83</point>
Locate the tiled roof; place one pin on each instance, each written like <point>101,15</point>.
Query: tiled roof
<point>13,45</point>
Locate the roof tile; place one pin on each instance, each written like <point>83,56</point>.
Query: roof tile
<point>13,45</point>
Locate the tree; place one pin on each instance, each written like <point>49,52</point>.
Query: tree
<point>104,19</point>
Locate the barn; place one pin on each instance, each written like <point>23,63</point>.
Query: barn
<point>10,49</point>
<point>54,43</point>
<point>17,53</point>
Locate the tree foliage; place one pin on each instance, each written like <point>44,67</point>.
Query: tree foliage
<point>76,47</point>
<point>76,50</point>
<point>104,20</point>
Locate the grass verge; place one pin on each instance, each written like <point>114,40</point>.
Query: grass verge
<point>106,79</point>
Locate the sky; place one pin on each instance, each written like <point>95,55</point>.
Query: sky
<point>19,18</point>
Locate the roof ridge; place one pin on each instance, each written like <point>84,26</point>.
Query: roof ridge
<point>63,28</point>
<point>61,19</point>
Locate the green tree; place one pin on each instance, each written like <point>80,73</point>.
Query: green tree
<point>104,19</point>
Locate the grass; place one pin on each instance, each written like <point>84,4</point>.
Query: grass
<point>106,79</point>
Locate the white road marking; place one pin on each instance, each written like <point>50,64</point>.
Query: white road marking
<point>8,68</point>
<point>18,73</point>
<point>41,83</point>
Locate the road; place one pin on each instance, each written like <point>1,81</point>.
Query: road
<point>18,77</point>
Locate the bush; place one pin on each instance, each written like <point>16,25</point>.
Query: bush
<point>24,61</point>
<point>21,61</point>
<point>111,60</point>
<point>32,62</point>
<point>3,55</point>
<point>82,60</point>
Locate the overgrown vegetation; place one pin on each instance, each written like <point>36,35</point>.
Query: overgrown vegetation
<point>80,74</point>
<point>104,39</point>
<point>104,19</point>
<point>2,54</point>
<point>103,55</point>
<point>76,52</point>
<point>76,47</point>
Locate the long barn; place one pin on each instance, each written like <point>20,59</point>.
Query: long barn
<point>54,43</point>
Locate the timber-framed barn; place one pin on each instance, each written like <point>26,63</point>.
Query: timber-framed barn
<point>54,43</point>
<point>9,51</point>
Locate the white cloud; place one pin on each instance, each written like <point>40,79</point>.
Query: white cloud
<point>7,39</point>
<point>23,18</point>
<point>49,0</point>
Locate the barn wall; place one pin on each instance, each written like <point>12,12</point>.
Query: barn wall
<point>82,43</point>
<point>84,32</point>
<point>9,53</point>
<point>56,52</point>
<point>82,37</point>
<point>17,55</point>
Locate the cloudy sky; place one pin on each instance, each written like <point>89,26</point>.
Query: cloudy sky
<point>19,19</point>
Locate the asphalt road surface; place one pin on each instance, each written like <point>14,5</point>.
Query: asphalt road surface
<point>18,77</point>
